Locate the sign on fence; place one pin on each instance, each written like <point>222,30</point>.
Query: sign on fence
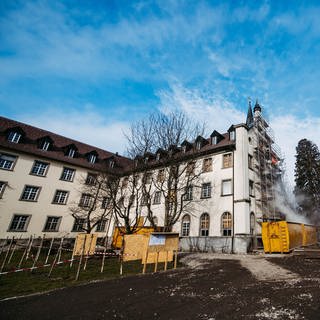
<point>85,244</point>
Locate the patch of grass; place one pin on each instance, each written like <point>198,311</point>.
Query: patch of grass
<point>27,282</point>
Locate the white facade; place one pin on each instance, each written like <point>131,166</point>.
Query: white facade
<point>227,199</point>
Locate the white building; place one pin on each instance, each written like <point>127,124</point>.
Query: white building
<point>40,175</point>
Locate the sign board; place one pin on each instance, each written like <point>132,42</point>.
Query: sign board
<point>85,244</point>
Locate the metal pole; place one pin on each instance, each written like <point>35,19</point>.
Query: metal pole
<point>4,246</point>
<point>13,250</point>
<point>55,258</point>
<point>29,249</point>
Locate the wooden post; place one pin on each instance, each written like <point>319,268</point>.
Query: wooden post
<point>156,264</point>
<point>145,262</point>
<point>38,252</point>
<point>55,258</point>
<point>13,250</point>
<point>49,251</point>
<point>88,251</point>
<point>4,245</point>
<point>80,260</point>
<point>166,262</point>
<point>30,247</point>
<point>24,252</point>
<point>7,253</point>
<point>105,244</point>
<point>175,259</point>
<point>60,249</point>
<point>121,263</point>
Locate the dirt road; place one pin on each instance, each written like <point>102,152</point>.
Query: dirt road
<point>208,287</point>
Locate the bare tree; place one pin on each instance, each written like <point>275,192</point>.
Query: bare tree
<point>126,198</point>
<point>160,144</point>
<point>94,205</point>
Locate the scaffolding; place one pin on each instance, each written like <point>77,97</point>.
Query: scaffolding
<point>267,167</point>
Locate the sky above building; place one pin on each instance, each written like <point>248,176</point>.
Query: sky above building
<point>87,69</point>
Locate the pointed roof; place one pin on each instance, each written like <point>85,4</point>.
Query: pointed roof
<point>249,121</point>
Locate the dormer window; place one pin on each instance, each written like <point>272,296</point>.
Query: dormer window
<point>111,164</point>
<point>92,158</point>
<point>71,153</point>
<point>146,159</point>
<point>184,148</point>
<point>214,140</point>
<point>198,145</point>
<point>232,135</point>
<point>45,145</point>
<point>158,156</point>
<point>14,136</point>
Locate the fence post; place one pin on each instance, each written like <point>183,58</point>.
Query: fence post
<point>38,252</point>
<point>49,251</point>
<point>55,258</point>
<point>80,260</point>
<point>7,253</point>
<point>13,249</point>
<point>88,251</point>
<point>24,252</point>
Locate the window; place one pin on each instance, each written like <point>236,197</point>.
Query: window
<point>157,197</point>
<point>185,226</point>
<point>7,161</point>
<point>188,193</point>
<point>158,156</point>
<point>190,167</point>
<point>148,178</point>
<point>30,193</point>
<point>227,160</point>
<point>198,146</point>
<point>232,135</point>
<point>206,190</point>
<point>67,174</point>
<point>85,200</point>
<point>78,224</point>
<point>204,225</point>
<point>52,224</point>
<point>226,224</point>
<point>111,164</point>
<point>161,175</point>
<point>92,158</point>
<point>14,136</point>
<point>45,145</point>
<point>184,148</point>
<point>251,188</point>
<point>252,223</point>
<point>214,140</point>
<point>250,161</point>
<point>60,197</point>
<point>19,222</point>
<point>39,168</point>
<point>144,199</point>
<point>3,185</point>
<point>71,153</point>
<point>207,165</point>
<point>91,179</point>
<point>101,226</point>
<point>105,202</point>
<point>226,187</point>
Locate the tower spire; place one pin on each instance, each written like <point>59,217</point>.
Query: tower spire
<point>249,121</point>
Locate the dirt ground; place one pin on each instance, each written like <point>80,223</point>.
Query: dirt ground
<point>210,286</point>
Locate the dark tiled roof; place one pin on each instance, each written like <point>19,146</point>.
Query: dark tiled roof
<point>30,142</point>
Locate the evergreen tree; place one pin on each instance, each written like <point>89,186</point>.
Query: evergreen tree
<point>307,179</point>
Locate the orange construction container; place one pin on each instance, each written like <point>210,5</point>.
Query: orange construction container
<point>283,236</point>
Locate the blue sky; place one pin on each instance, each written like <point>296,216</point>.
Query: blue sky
<point>86,69</point>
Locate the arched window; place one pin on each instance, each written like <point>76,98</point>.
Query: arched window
<point>252,223</point>
<point>226,224</point>
<point>204,225</point>
<point>185,226</point>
